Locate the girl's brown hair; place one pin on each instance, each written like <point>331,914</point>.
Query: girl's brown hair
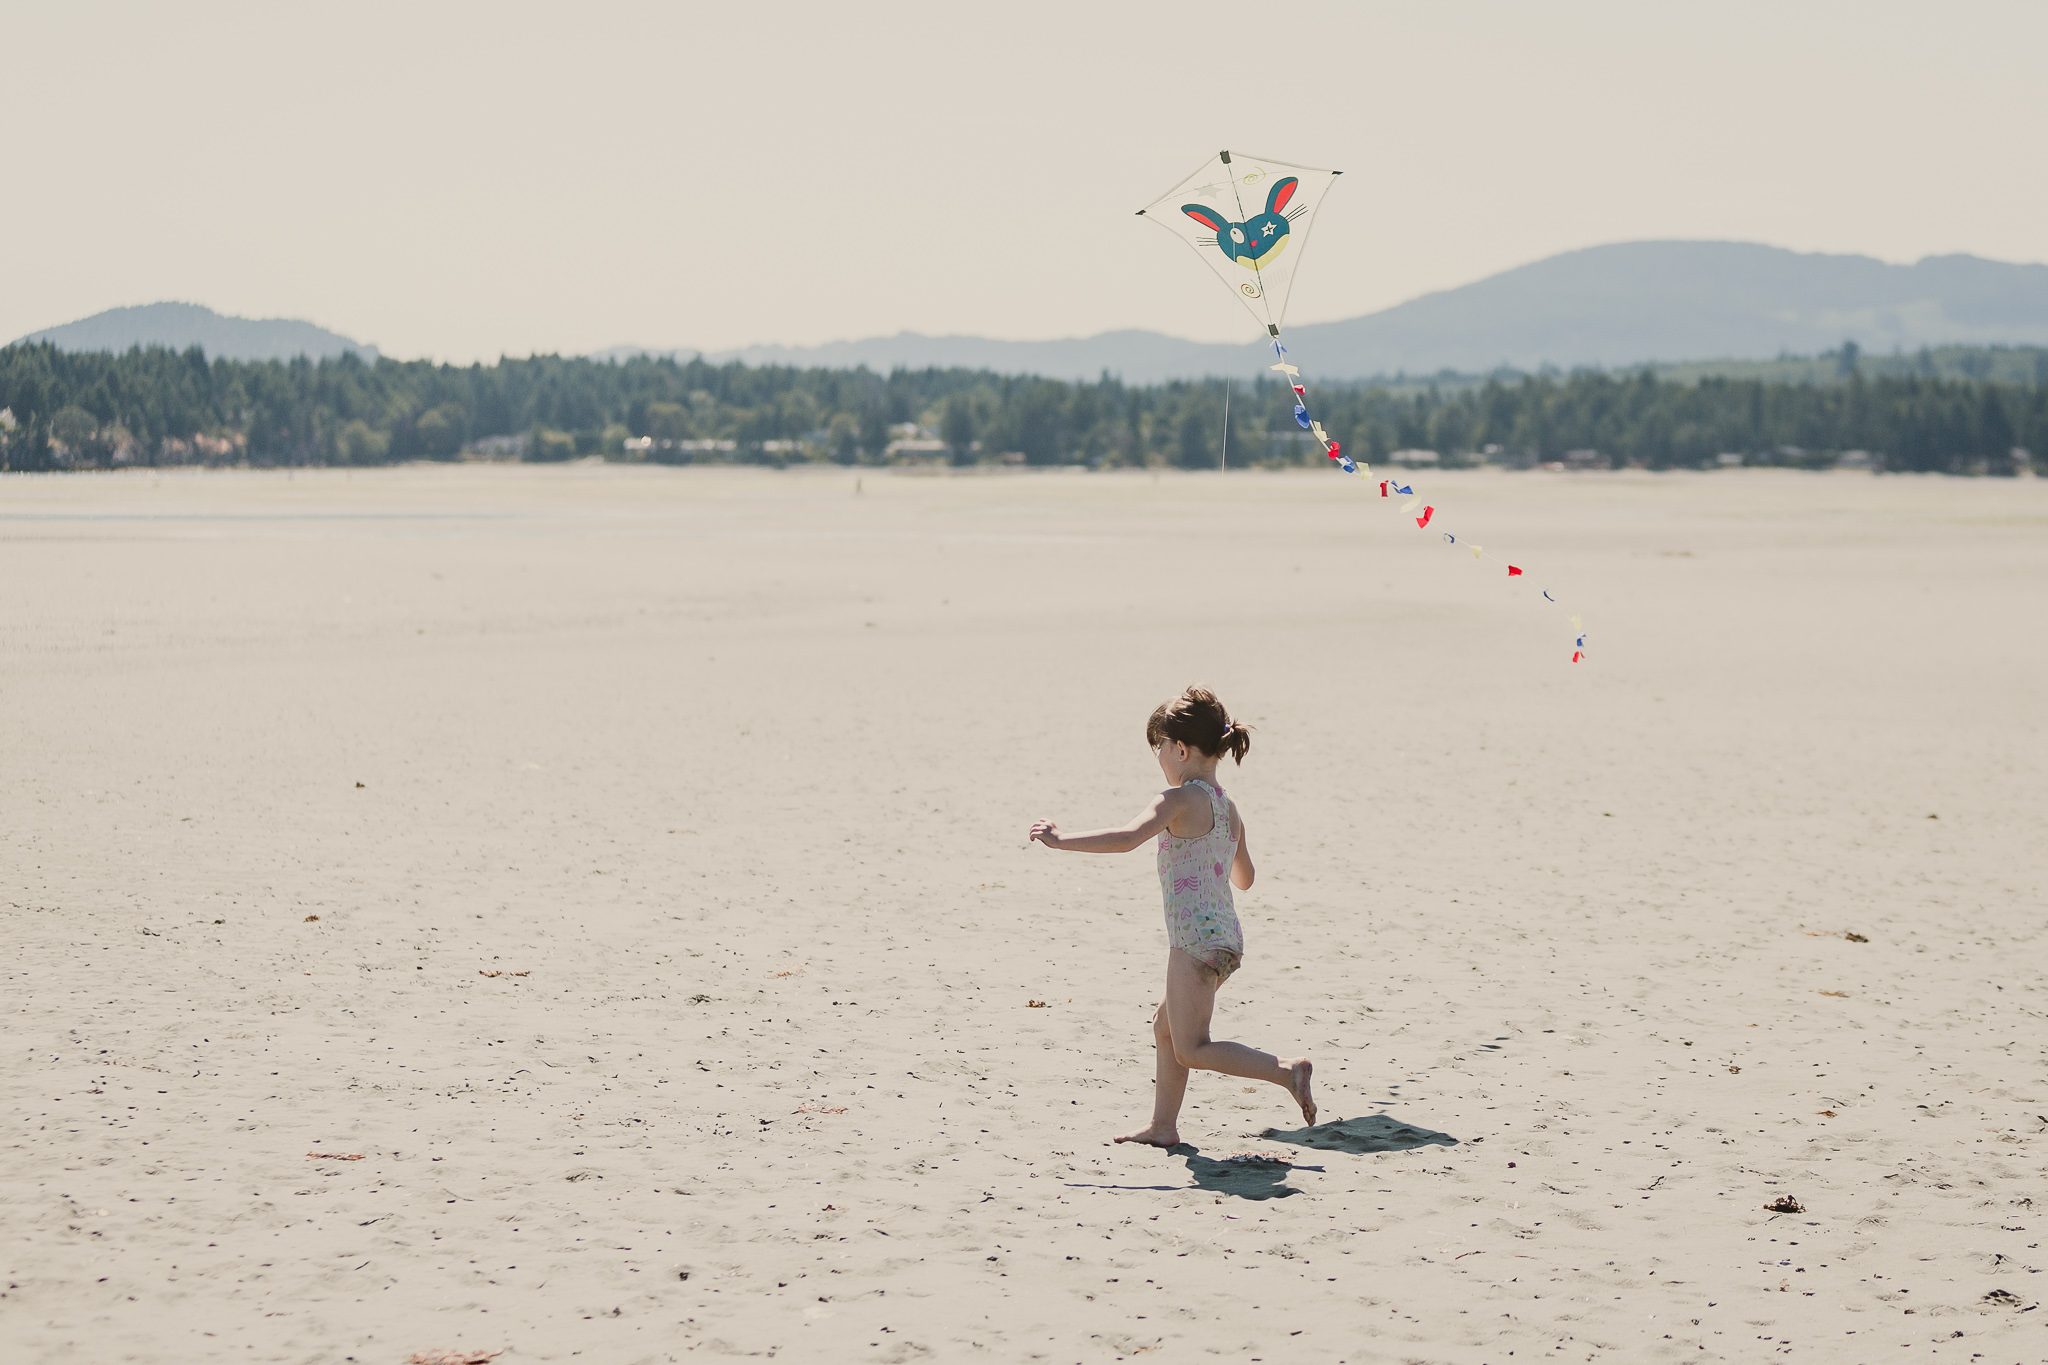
<point>1198,720</point>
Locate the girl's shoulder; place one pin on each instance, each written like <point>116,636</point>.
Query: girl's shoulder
<point>1187,809</point>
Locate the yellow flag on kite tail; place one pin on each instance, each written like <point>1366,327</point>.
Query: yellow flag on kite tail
<point>1247,218</point>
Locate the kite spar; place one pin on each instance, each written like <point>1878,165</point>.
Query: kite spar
<point>1247,218</point>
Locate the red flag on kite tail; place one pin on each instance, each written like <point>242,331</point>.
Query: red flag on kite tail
<point>1423,520</point>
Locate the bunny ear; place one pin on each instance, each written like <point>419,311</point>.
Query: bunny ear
<point>1281,193</point>
<point>1206,216</point>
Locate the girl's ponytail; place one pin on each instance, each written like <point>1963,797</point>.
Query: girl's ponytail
<point>1237,740</point>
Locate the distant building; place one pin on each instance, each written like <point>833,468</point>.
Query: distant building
<point>1730,459</point>
<point>916,442</point>
<point>646,446</point>
<point>1414,457</point>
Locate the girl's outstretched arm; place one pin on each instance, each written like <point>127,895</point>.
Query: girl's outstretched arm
<point>1141,829</point>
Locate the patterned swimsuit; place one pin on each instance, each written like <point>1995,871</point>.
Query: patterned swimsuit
<point>1194,875</point>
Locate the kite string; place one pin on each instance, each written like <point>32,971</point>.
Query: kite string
<point>1223,458</point>
<point>1336,453</point>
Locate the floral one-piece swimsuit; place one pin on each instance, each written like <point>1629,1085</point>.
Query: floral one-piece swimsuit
<point>1194,875</point>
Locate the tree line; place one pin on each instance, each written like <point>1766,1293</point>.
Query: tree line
<point>62,410</point>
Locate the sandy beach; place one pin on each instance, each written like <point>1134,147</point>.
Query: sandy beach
<point>627,865</point>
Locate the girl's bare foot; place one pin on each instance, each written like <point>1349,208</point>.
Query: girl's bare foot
<point>1297,1085</point>
<point>1152,1135</point>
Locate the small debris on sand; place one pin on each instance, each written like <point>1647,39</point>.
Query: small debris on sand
<point>451,1357</point>
<point>1840,994</point>
<point>1036,1005</point>
<point>309,919</point>
<point>337,1156</point>
<point>481,972</point>
<point>1785,1203</point>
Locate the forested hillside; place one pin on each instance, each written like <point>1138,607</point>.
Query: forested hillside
<point>160,407</point>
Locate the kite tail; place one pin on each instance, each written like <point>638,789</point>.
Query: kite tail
<point>1392,486</point>
<point>1308,423</point>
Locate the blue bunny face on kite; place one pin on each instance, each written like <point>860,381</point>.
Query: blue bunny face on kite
<point>1258,240</point>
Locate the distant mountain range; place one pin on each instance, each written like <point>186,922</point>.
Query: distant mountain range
<point>179,325</point>
<point>1607,306</point>
<point>1672,301</point>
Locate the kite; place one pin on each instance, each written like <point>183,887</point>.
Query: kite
<point>1247,218</point>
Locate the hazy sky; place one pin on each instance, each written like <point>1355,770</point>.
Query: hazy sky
<point>466,180</point>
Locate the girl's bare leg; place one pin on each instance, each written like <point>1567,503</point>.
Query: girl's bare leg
<point>1169,1087</point>
<point>1184,1044</point>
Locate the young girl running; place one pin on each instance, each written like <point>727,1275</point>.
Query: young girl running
<point>1202,854</point>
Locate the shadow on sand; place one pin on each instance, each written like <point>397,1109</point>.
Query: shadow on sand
<point>1246,1176</point>
<point>1250,1175</point>
<point>1363,1136</point>
<point>1241,1177</point>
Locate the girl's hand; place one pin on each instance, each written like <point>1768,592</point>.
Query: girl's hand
<point>1046,832</point>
